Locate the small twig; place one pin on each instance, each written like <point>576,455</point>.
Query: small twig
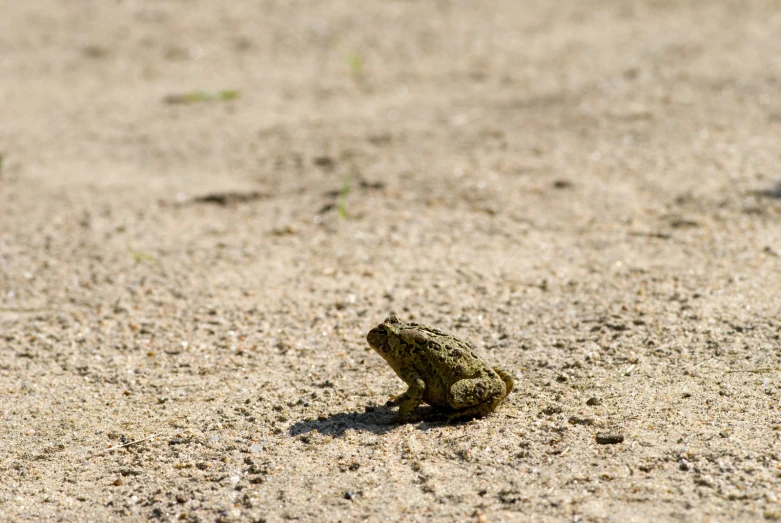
<point>341,206</point>
<point>651,234</point>
<point>111,449</point>
<point>703,362</point>
<point>24,309</point>
<point>754,371</point>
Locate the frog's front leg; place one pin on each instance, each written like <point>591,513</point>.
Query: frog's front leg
<point>410,400</point>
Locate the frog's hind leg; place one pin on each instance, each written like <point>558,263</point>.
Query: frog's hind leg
<point>477,411</point>
<point>471,392</point>
<point>507,378</point>
<point>478,397</point>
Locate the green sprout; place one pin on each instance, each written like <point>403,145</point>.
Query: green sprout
<point>202,96</point>
<point>139,257</point>
<point>342,205</point>
<point>355,63</point>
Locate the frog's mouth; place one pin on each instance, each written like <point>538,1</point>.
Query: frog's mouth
<point>378,338</point>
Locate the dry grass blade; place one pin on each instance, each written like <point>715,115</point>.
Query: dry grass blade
<point>755,371</point>
<point>124,445</point>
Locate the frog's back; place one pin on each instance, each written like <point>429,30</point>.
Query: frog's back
<point>442,361</point>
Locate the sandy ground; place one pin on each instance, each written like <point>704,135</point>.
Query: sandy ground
<point>587,190</point>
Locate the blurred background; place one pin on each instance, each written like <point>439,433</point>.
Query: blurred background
<point>205,206</point>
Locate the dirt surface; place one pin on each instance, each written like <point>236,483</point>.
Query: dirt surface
<point>586,190</point>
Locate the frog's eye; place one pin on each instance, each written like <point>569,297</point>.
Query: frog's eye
<point>381,330</point>
<point>391,319</point>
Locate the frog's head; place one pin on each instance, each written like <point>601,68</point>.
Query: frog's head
<point>380,337</point>
<point>393,336</point>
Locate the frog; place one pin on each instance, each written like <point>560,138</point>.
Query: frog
<point>439,369</point>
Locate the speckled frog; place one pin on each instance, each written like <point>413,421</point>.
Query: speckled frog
<point>439,369</point>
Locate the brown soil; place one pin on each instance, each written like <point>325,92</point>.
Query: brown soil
<point>587,190</point>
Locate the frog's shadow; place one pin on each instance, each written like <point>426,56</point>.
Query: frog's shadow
<point>377,420</point>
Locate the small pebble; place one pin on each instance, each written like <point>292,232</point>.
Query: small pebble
<point>609,438</point>
<point>592,402</point>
